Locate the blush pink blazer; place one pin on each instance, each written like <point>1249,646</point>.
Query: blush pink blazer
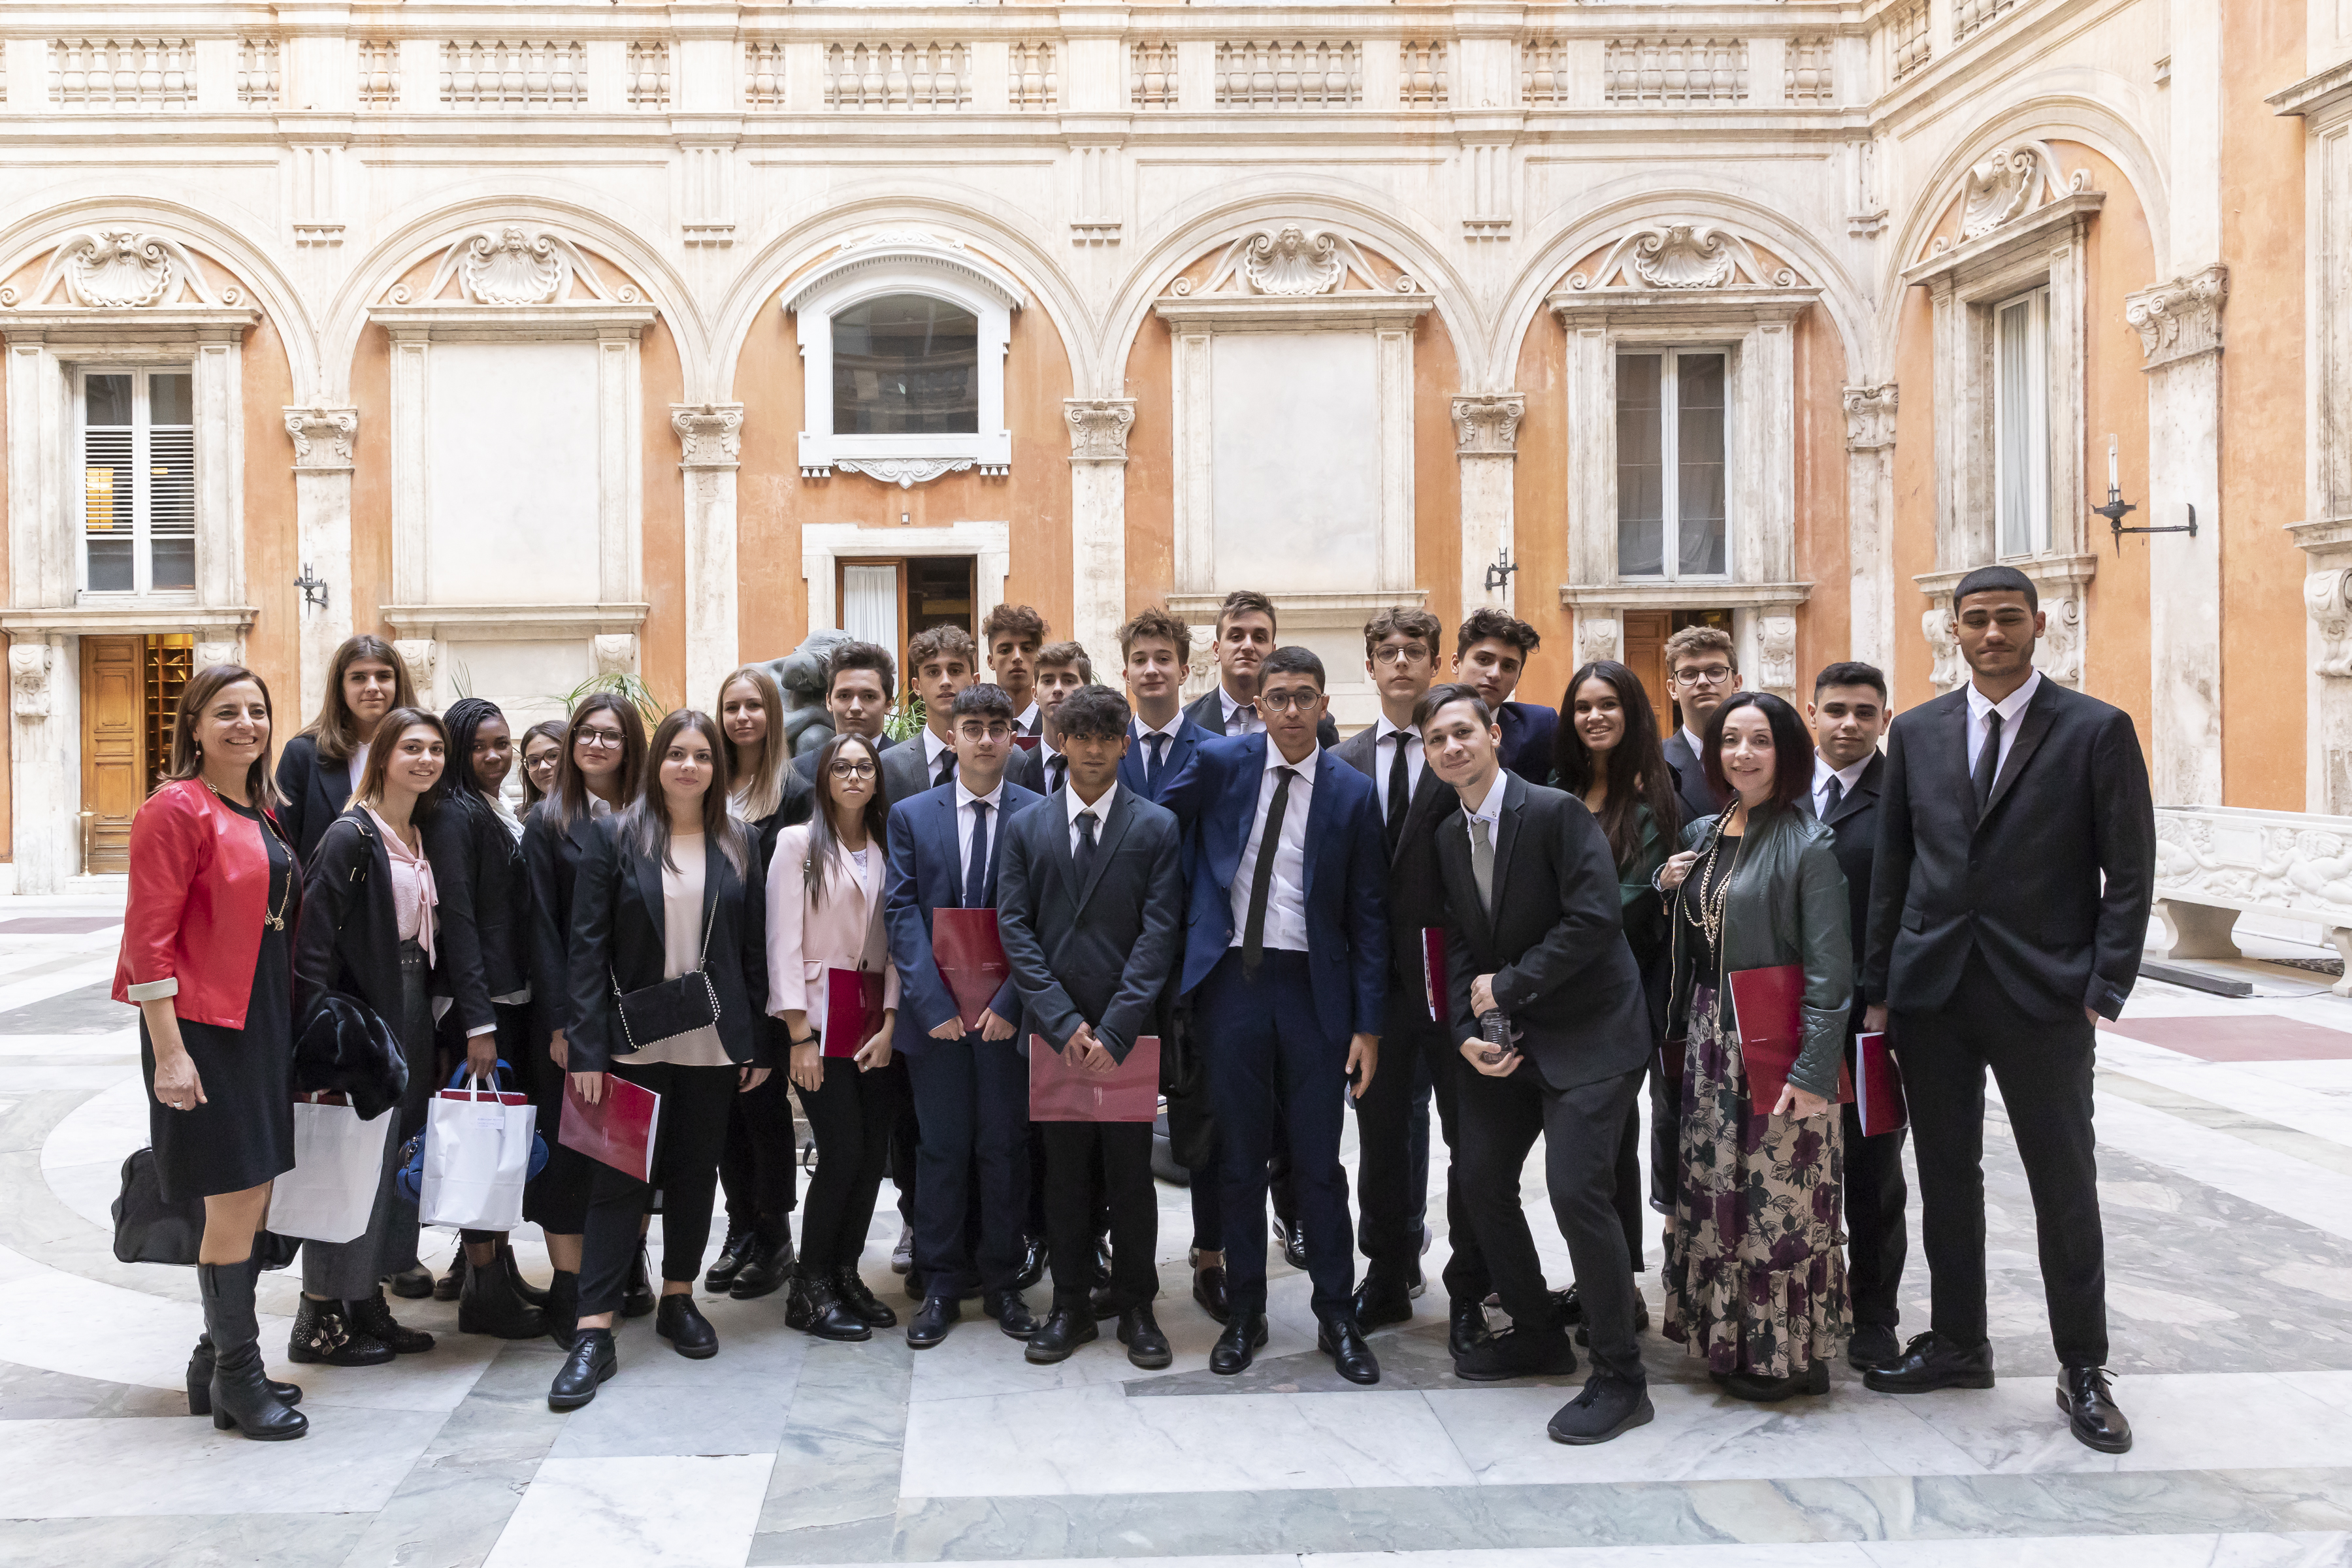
<point>845,931</point>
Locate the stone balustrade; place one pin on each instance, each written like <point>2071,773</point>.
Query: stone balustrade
<point>2215,863</point>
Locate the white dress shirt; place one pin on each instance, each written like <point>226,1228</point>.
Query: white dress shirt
<point>1285,897</point>
<point>1025,722</point>
<point>1384,758</point>
<point>1846,777</point>
<point>1490,810</point>
<point>933,749</point>
<point>1046,757</point>
<point>2011,708</point>
<point>1697,747</point>
<point>1252,725</point>
<point>1099,811</point>
<point>1139,738</point>
<point>965,817</point>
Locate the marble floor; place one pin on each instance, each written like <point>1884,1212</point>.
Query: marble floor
<point>2226,1162</point>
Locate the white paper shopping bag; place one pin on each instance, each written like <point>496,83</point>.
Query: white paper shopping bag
<point>338,1164</point>
<point>477,1159</point>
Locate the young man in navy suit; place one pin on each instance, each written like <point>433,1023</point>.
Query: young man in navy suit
<point>1490,653</point>
<point>1063,668</point>
<point>970,1088</point>
<point>1092,905</point>
<point>1287,958</point>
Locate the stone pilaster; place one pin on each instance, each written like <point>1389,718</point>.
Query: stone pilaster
<point>1870,512</point>
<point>710,440</point>
<point>1098,427</point>
<point>323,440</point>
<point>1486,443</point>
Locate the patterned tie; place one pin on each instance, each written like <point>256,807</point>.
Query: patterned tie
<point>947,769</point>
<point>1988,761</point>
<point>975,876</point>
<point>1083,862</point>
<point>1269,844</point>
<point>1400,789</point>
<point>1482,862</point>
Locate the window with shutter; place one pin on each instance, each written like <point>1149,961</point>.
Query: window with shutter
<point>139,480</point>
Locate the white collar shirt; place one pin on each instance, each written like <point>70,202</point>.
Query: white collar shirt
<point>1030,721</point>
<point>933,749</point>
<point>1254,725</point>
<point>1847,778</point>
<point>966,817</point>
<point>1285,900</point>
<point>1141,736</point>
<point>1383,759</point>
<point>1099,811</point>
<point>1490,810</point>
<point>2011,708</point>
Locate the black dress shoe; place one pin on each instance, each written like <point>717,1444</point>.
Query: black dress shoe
<point>1209,1290</point>
<point>2091,1412</point>
<point>1034,1254</point>
<point>1640,1317</point>
<point>489,1305</point>
<point>372,1316</point>
<point>1569,1308</point>
<point>1103,1301</point>
<point>1466,1326</point>
<point>414,1283</point>
<point>1294,1244</point>
<point>732,1253</point>
<point>591,1361</point>
<point>1343,1341</point>
<point>933,1320</point>
<point>814,1308</point>
<point>1011,1312</point>
<point>1931,1362</point>
<point>452,1285</point>
<point>1814,1379</point>
<point>681,1323</point>
<point>1237,1346</point>
<point>1380,1302</point>
<point>1873,1345</point>
<point>766,1268</point>
<point>1516,1352</point>
<point>1067,1326</point>
<point>639,1299</point>
<point>849,1286</point>
<point>1147,1347</point>
<point>1608,1406</point>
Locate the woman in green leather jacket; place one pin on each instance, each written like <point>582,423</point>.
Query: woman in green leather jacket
<point>1756,1279</point>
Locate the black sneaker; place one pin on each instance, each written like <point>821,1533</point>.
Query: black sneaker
<point>1516,1352</point>
<point>1608,1406</point>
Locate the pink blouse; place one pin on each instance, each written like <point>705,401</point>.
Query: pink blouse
<point>414,899</point>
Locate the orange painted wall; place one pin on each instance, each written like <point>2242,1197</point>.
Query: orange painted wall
<point>661,642</point>
<point>272,649</point>
<point>774,502</point>
<point>1539,509</point>
<point>1824,540</point>
<point>2263,421</point>
<point>1436,471</point>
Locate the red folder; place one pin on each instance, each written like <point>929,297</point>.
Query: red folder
<point>971,957</point>
<point>853,1009</point>
<point>1062,1091</point>
<point>1768,1006</point>
<point>617,1130</point>
<point>1432,970</point>
<point>1878,1087</point>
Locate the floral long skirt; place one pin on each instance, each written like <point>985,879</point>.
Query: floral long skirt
<point>1756,1274</point>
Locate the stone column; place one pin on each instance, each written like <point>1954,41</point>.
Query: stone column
<point>322,523</point>
<point>709,437</point>
<point>44,674</point>
<point>1098,428</point>
<point>1870,510</point>
<point>1485,443</point>
<point>2326,544</point>
<point>2179,327</point>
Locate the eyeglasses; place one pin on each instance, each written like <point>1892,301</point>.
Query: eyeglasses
<point>1411,653</point>
<point>997,731</point>
<point>1289,702</point>
<point>853,770</point>
<point>602,739</point>
<point>1707,675</point>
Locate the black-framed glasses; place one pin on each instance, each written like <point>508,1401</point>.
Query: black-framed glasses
<point>1289,702</point>
<point>602,739</point>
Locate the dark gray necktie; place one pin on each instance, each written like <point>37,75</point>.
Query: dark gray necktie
<point>1083,861</point>
<point>947,769</point>
<point>1482,862</point>
<point>1830,796</point>
<point>1159,744</point>
<point>975,877</point>
<point>1400,789</point>
<point>1060,767</point>
<point>1988,761</point>
<point>1269,844</point>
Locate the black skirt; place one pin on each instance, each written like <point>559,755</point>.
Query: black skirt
<point>243,1133</point>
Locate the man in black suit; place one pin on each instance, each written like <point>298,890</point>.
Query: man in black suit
<point>861,680</point>
<point>1401,651</point>
<point>1063,668</point>
<point>1245,632</point>
<point>1533,931</point>
<point>1011,640</point>
<point>2008,909</point>
<point>1848,715</point>
<point>1090,903</point>
<point>1490,653</point>
<point>941,662</point>
<point>1701,671</point>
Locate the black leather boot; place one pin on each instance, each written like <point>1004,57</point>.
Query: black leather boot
<point>681,1323</point>
<point>533,1295</point>
<point>240,1396</point>
<point>813,1309</point>
<point>200,1381</point>
<point>639,1299</point>
<point>489,1305</point>
<point>562,1309</point>
<point>766,1268</point>
<point>861,1301</point>
<point>322,1334</point>
<point>452,1285</point>
<point>371,1315</point>
<point>737,1247</point>
<point>591,1361</point>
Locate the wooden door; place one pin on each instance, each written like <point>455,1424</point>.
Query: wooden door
<point>1646,633</point>
<point>113,749</point>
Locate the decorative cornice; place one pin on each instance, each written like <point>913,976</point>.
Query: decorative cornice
<point>1098,427</point>
<point>513,266</point>
<point>1488,425</point>
<point>709,435</point>
<point>1672,255</point>
<point>2180,318</point>
<point>1870,417</point>
<point>900,247</point>
<point>322,437</point>
<point>1291,262</point>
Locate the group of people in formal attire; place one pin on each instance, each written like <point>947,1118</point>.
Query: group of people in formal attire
<point>1528,918</point>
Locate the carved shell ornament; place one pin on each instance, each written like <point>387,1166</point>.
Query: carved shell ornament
<point>1292,262</point>
<point>121,269</point>
<point>1683,256</point>
<point>2007,183</point>
<point>516,266</point>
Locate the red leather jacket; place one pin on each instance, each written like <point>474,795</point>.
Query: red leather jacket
<point>199,888</point>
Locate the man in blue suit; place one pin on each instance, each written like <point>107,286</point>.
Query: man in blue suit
<point>971,1088</point>
<point>1286,956</point>
<point>1490,653</point>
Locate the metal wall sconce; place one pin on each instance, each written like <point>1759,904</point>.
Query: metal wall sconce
<point>314,592</point>
<point>2116,506</point>
<point>1499,572</point>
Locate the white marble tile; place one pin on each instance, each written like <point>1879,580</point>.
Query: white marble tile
<point>350,1461</point>
<point>2299,1550</point>
<point>2295,1188</point>
<point>977,1360</point>
<point>656,1513</point>
<point>1096,1441</point>
<point>2215,1421</point>
<point>2322,1113</point>
<point>106,1126</point>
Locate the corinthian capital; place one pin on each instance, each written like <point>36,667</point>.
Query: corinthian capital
<point>2180,318</point>
<point>1098,427</point>
<point>1869,418</point>
<point>1488,425</point>
<point>322,436</point>
<point>709,435</point>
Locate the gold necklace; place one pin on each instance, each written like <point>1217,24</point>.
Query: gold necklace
<point>1712,901</point>
<point>276,920</point>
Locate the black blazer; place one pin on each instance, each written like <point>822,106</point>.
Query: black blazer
<point>2052,885</point>
<point>797,804</point>
<point>316,791</point>
<point>1416,886</point>
<point>1697,795</point>
<point>1100,953</point>
<point>1530,731</point>
<point>551,865</point>
<point>1854,826</point>
<point>349,939</point>
<point>619,938</point>
<point>1552,939</point>
<point>1208,711</point>
<point>477,869</point>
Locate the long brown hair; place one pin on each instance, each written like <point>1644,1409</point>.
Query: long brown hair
<point>762,785</point>
<point>1636,769</point>
<point>645,826</point>
<point>188,757</point>
<point>396,724</point>
<point>554,730</point>
<point>822,839</point>
<point>567,802</point>
<point>336,728</point>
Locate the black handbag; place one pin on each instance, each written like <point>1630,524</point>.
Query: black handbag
<point>151,1228</point>
<point>668,1008</point>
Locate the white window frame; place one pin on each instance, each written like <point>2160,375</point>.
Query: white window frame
<point>2035,456</point>
<point>142,467</point>
<point>1670,460</point>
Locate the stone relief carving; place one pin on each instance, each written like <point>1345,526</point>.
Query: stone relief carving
<point>1098,427</point>
<point>1943,646</point>
<point>616,653</point>
<point>121,269</point>
<point>420,653</point>
<point>1488,425</point>
<point>2058,654</point>
<point>1776,653</point>
<point>322,436</point>
<point>709,436</point>
<point>2326,600</point>
<point>908,472</point>
<point>1670,255</point>
<point>2008,184</point>
<point>1596,638</point>
<point>514,265</point>
<point>1200,667</point>
<point>1290,262</point>
<point>2283,863</point>
<point>2179,319</point>
<point>209,654</point>
<point>1870,417</point>
<point>29,679</point>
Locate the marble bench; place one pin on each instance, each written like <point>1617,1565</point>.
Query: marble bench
<point>2215,863</point>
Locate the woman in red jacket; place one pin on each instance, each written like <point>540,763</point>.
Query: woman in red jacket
<point>207,957</point>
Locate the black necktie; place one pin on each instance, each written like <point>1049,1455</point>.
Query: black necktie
<point>1083,861</point>
<point>975,876</point>
<point>947,769</point>
<point>1060,765</point>
<point>1269,844</point>
<point>1400,789</point>
<point>1988,761</point>
<point>1152,764</point>
<point>1834,793</point>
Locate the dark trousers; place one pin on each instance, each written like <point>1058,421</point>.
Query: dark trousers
<point>1665,1122</point>
<point>1271,1062</point>
<point>693,1126</point>
<point>757,1170</point>
<point>850,1114</point>
<point>1118,1156</point>
<point>971,1096</point>
<point>1875,1241</point>
<point>1390,1200</point>
<point>2043,1069</point>
<point>905,1137</point>
<point>1581,1129</point>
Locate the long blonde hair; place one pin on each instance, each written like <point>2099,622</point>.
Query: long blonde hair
<point>761,786</point>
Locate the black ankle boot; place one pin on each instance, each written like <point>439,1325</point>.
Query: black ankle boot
<point>861,1301</point>
<point>321,1332</point>
<point>200,1381</point>
<point>733,1252</point>
<point>562,1309</point>
<point>813,1307</point>
<point>240,1396</point>
<point>639,1299</point>
<point>452,1285</point>
<point>533,1295</point>
<point>371,1315</point>
<point>489,1305</point>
